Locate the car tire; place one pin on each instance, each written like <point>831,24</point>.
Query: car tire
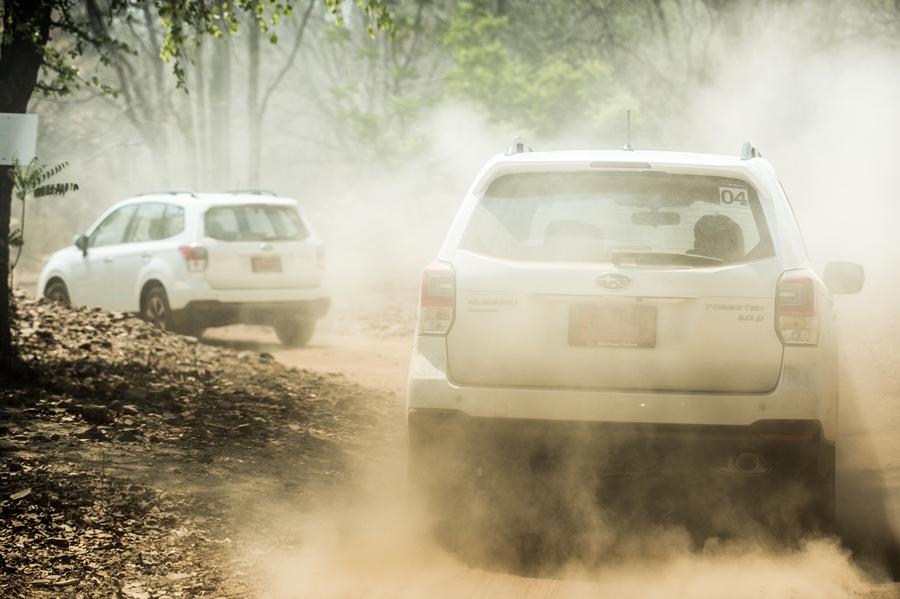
<point>155,307</point>
<point>57,291</point>
<point>295,332</point>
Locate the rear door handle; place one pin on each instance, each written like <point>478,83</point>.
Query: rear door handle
<point>146,256</point>
<point>108,259</point>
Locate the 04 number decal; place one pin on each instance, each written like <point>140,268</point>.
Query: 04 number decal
<point>733,195</point>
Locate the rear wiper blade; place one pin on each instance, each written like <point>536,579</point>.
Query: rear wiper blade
<point>637,258</point>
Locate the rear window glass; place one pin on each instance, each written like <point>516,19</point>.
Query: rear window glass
<point>254,222</point>
<point>631,218</point>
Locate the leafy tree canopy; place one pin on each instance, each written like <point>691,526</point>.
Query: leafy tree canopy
<point>64,30</point>
<point>535,93</point>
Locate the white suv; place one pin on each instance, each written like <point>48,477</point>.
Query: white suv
<point>660,301</point>
<point>190,261</point>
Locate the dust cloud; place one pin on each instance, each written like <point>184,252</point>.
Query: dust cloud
<point>818,571</point>
<point>379,544</point>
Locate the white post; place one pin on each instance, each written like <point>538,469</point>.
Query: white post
<point>18,138</point>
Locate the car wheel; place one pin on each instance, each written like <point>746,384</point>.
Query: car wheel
<point>295,332</point>
<point>155,308</point>
<point>58,292</point>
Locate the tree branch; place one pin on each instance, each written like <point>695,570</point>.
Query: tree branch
<point>292,57</point>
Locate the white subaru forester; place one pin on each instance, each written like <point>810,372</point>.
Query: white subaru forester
<point>189,261</point>
<point>658,301</point>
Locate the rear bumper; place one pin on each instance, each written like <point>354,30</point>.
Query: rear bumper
<point>806,391</point>
<point>195,290</point>
<point>788,449</point>
<point>216,313</point>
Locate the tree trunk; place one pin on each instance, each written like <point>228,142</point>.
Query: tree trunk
<point>220,116</point>
<point>20,61</point>
<point>201,122</point>
<point>253,120</point>
<point>7,355</point>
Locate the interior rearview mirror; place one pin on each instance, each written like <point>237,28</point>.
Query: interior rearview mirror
<point>655,218</point>
<point>844,277</point>
<point>81,242</point>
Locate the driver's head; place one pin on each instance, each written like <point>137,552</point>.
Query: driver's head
<point>718,236</point>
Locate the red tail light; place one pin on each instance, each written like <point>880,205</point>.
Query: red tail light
<point>195,256</point>
<point>437,305</point>
<point>796,321</point>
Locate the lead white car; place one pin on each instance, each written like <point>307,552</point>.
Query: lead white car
<point>190,261</point>
<point>656,300</point>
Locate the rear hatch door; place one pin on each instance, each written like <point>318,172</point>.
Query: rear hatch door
<point>629,283</point>
<point>558,326</point>
<point>259,246</point>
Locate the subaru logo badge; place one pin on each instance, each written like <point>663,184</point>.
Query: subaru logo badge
<point>613,280</point>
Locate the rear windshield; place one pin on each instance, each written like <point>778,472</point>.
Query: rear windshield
<point>254,222</point>
<point>653,219</point>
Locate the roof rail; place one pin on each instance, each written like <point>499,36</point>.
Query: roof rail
<point>748,151</point>
<point>518,146</point>
<point>173,192</point>
<point>257,192</point>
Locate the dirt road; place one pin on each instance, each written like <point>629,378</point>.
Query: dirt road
<point>365,359</point>
<point>370,544</point>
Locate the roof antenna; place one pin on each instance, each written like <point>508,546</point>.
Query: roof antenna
<point>628,147</point>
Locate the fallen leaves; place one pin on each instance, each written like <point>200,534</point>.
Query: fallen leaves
<point>104,452</point>
<point>134,591</point>
<point>21,494</point>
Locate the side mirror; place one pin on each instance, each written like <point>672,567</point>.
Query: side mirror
<point>81,242</point>
<point>844,277</point>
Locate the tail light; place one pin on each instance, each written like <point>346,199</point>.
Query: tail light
<point>796,321</point>
<point>320,256</point>
<point>195,256</point>
<point>437,305</point>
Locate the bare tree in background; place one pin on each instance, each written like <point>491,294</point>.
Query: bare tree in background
<point>258,98</point>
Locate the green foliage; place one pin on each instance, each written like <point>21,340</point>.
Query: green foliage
<point>375,102</point>
<point>16,240</point>
<point>88,26</point>
<point>33,180</point>
<point>538,95</point>
<point>187,21</point>
<point>378,17</point>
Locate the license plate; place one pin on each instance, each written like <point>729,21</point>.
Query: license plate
<point>617,326</point>
<point>265,264</point>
